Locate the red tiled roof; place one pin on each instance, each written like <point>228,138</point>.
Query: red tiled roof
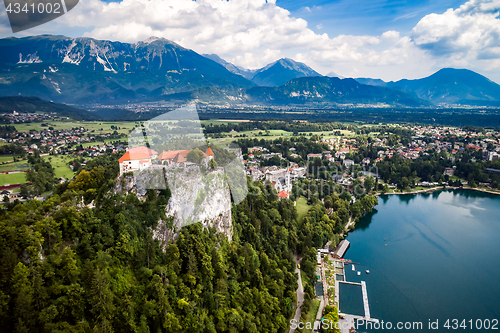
<point>143,150</point>
<point>169,155</point>
<point>210,152</point>
<point>179,158</point>
<point>283,194</point>
<point>133,156</point>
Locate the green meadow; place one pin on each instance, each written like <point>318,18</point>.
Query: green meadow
<point>10,179</point>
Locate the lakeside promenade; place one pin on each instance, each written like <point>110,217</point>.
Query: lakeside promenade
<point>334,278</point>
<point>432,189</point>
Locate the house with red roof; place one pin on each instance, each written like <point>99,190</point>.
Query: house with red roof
<point>283,195</point>
<point>170,155</point>
<point>138,158</point>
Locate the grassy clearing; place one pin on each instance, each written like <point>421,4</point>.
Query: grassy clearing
<point>60,165</point>
<point>16,178</point>
<point>310,316</point>
<point>302,207</point>
<point>328,135</point>
<point>303,278</point>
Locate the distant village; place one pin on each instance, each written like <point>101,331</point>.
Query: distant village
<point>426,138</point>
<point>59,141</point>
<point>341,151</point>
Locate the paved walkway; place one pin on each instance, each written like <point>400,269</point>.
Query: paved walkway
<point>351,222</point>
<point>319,314</point>
<point>300,294</point>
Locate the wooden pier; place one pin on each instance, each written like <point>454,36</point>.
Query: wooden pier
<point>341,249</point>
<point>347,321</point>
<point>365,300</point>
<point>366,305</point>
<point>354,283</point>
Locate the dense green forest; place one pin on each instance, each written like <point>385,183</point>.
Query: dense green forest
<point>451,117</point>
<point>66,267</point>
<point>294,127</point>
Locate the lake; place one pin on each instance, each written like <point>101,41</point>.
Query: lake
<point>433,256</point>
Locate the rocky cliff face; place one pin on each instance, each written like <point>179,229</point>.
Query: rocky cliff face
<point>197,196</point>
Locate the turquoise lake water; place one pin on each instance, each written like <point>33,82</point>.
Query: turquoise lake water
<point>431,257</point>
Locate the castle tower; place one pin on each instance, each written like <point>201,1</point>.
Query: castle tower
<point>210,154</point>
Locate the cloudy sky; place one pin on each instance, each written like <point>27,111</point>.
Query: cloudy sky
<point>387,39</point>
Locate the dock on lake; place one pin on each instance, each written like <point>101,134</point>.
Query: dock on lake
<point>366,306</point>
<point>365,300</point>
<point>341,249</point>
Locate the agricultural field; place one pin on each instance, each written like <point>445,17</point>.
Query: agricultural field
<point>222,121</point>
<point>19,165</point>
<point>100,143</point>
<point>273,134</point>
<point>98,126</point>
<point>13,178</point>
<point>59,163</point>
<point>6,158</point>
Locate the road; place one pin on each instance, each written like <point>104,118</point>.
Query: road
<point>300,294</point>
<point>351,222</point>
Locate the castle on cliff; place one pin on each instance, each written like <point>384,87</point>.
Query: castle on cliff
<point>141,158</point>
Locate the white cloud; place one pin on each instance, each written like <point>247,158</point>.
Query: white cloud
<point>390,35</point>
<point>470,32</point>
<point>252,33</point>
<point>232,29</point>
<point>246,32</point>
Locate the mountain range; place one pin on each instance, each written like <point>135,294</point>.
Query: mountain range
<point>34,104</point>
<point>274,74</point>
<point>86,71</point>
<point>448,85</point>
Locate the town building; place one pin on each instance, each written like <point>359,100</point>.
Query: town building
<point>347,162</point>
<point>274,175</point>
<point>138,158</point>
<point>283,195</point>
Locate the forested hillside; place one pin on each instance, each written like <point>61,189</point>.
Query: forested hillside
<point>68,267</point>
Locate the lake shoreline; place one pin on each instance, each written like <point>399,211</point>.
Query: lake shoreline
<point>440,188</point>
<point>415,250</point>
